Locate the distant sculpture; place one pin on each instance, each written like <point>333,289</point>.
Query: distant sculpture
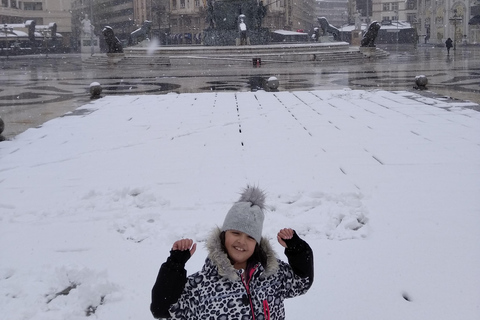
<point>141,33</point>
<point>328,28</point>
<point>358,22</point>
<point>316,34</point>
<point>242,28</point>
<point>369,37</point>
<point>210,15</point>
<point>222,22</point>
<point>114,45</point>
<point>260,14</point>
<point>87,27</point>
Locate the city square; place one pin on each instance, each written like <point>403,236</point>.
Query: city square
<point>112,151</point>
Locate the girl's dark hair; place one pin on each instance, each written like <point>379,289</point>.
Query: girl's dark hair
<point>258,255</point>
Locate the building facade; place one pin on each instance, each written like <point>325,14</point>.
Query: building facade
<point>43,12</point>
<point>181,21</point>
<point>335,11</point>
<point>434,20</point>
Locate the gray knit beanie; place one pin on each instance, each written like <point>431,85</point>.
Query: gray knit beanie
<point>246,215</point>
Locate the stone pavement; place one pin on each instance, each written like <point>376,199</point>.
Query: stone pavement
<point>36,88</point>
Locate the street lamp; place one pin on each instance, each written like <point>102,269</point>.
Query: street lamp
<point>396,16</point>
<point>454,20</point>
<point>45,33</point>
<point>91,30</point>
<point>6,29</point>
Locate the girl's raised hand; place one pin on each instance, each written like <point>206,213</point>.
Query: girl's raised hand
<point>185,244</point>
<point>286,234</point>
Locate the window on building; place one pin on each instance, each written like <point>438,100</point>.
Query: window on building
<point>411,17</point>
<point>411,5</point>
<point>174,4</point>
<point>394,6</point>
<point>5,3</point>
<point>386,7</point>
<point>32,6</point>
<point>197,3</point>
<point>182,4</point>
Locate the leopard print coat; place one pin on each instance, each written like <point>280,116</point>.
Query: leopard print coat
<point>219,291</point>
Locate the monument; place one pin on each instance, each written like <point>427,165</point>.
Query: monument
<point>369,37</point>
<point>89,43</point>
<point>114,46</point>
<point>327,29</point>
<point>357,33</point>
<point>226,19</point>
<point>141,34</point>
<point>367,45</point>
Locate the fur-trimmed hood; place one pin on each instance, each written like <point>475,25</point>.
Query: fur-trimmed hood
<point>225,268</point>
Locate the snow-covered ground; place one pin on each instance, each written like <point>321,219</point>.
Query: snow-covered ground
<point>383,185</point>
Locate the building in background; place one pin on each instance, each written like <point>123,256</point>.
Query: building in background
<point>188,17</point>
<point>335,11</point>
<point>184,20</point>
<point>365,9</point>
<point>43,12</point>
<point>434,20</point>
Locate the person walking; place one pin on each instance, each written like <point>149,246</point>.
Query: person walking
<point>241,277</point>
<point>449,44</point>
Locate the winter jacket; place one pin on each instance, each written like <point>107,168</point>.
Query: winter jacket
<point>219,291</point>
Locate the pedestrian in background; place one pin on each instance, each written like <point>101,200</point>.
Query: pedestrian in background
<point>449,44</point>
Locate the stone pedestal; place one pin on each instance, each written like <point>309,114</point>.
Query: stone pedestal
<point>114,58</point>
<point>325,39</point>
<point>369,52</point>
<point>86,44</point>
<point>356,37</point>
<point>215,37</point>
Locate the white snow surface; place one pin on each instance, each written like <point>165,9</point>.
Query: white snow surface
<point>384,186</point>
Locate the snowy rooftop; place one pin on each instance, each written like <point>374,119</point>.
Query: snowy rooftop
<point>393,25</point>
<point>289,33</point>
<point>383,185</point>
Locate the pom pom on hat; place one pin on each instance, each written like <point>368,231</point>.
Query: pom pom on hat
<point>253,195</point>
<point>246,215</point>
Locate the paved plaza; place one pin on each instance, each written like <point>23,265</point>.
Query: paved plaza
<point>38,88</point>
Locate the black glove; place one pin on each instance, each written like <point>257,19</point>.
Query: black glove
<point>178,258</point>
<point>300,257</point>
<point>295,243</point>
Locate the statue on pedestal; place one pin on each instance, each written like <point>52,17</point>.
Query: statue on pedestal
<point>368,39</point>
<point>87,27</point>
<point>358,22</point>
<point>242,28</point>
<point>114,45</point>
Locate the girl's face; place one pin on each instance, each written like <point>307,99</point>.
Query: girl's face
<point>240,247</point>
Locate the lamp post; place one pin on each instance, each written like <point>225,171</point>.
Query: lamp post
<point>396,13</point>
<point>45,43</point>
<point>6,29</point>
<point>454,20</point>
<point>415,28</point>
<point>5,33</point>
<point>91,31</point>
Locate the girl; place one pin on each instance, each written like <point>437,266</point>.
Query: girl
<point>241,278</point>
